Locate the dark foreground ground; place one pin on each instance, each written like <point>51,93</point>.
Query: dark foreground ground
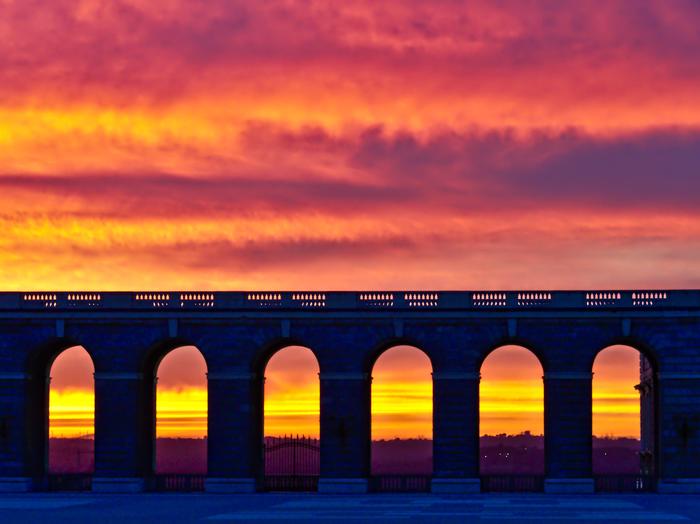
<point>122,509</point>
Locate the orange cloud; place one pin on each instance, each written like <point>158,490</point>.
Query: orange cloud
<point>233,145</point>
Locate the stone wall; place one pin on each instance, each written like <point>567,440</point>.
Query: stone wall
<point>127,345</point>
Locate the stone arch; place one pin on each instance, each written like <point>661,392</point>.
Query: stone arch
<point>517,452</point>
<point>512,341</point>
<point>69,452</point>
<point>192,459</point>
<point>290,453</point>
<point>370,359</point>
<point>38,368</point>
<point>149,369</point>
<point>262,356</point>
<point>382,445</point>
<point>646,383</point>
<point>644,349</point>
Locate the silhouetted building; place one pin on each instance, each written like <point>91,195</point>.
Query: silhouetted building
<point>647,416</point>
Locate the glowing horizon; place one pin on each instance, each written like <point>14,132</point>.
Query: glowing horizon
<point>181,394</point>
<point>402,394</point>
<point>511,394</point>
<point>292,394</point>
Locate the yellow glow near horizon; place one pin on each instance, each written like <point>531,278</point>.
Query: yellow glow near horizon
<point>292,393</point>
<point>181,394</point>
<point>616,409</point>
<point>72,395</point>
<point>511,396</point>
<point>511,393</point>
<point>402,395</point>
<point>71,413</point>
<point>182,413</point>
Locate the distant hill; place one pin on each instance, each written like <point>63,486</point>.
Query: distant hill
<point>71,455</point>
<point>402,456</point>
<point>181,455</point>
<point>499,454</point>
<point>511,454</point>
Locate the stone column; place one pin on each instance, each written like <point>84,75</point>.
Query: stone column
<point>456,432</point>
<point>647,416</point>
<point>122,453</point>
<point>18,465</point>
<point>679,432</point>
<point>345,432</point>
<point>568,427</point>
<point>234,440</point>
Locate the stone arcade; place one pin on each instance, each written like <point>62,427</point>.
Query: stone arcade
<point>126,334</point>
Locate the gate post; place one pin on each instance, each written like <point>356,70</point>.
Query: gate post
<point>679,432</point>
<point>120,418</point>
<point>455,432</point>
<point>234,444</point>
<point>345,432</point>
<point>16,461</point>
<point>567,432</point>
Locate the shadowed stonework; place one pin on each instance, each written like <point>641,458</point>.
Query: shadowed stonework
<point>127,334</point>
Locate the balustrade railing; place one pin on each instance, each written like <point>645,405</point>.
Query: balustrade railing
<point>400,483</point>
<point>69,482</point>
<point>177,482</point>
<point>349,300</point>
<point>516,483</point>
<point>625,483</point>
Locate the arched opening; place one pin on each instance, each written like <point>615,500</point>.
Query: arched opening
<point>402,420</point>
<point>624,425</point>
<point>511,421</point>
<point>71,420</point>
<point>291,425</point>
<point>181,420</point>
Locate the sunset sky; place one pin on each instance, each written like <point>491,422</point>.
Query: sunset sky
<point>511,394</point>
<point>227,144</point>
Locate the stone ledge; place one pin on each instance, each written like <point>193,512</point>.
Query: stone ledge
<point>118,485</point>
<point>456,485</point>
<point>580,485</point>
<point>16,484</point>
<point>340,486</point>
<point>230,485</point>
<point>686,486</point>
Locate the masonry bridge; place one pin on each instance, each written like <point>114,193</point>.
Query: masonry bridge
<point>127,334</point>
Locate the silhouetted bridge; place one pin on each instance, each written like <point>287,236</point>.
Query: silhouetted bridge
<point>127,334</point>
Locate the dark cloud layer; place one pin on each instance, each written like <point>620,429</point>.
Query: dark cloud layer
<point>148,51</point>
<point>651,172</point>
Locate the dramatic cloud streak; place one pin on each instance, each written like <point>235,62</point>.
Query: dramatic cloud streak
<point>283,144</point>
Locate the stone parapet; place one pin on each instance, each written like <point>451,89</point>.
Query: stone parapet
<point>225,485</point>
<point>118,485</point>
<point>564,486</point>
<point>342,486</point>
<point>470,485</point>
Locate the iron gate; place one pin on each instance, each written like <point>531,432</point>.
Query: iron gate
<point>512,483</point>
<point>625,483</point>
<point>69,482</point>
<point>400,483</point>
<point>178,482</point>
<point>292,463</point>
